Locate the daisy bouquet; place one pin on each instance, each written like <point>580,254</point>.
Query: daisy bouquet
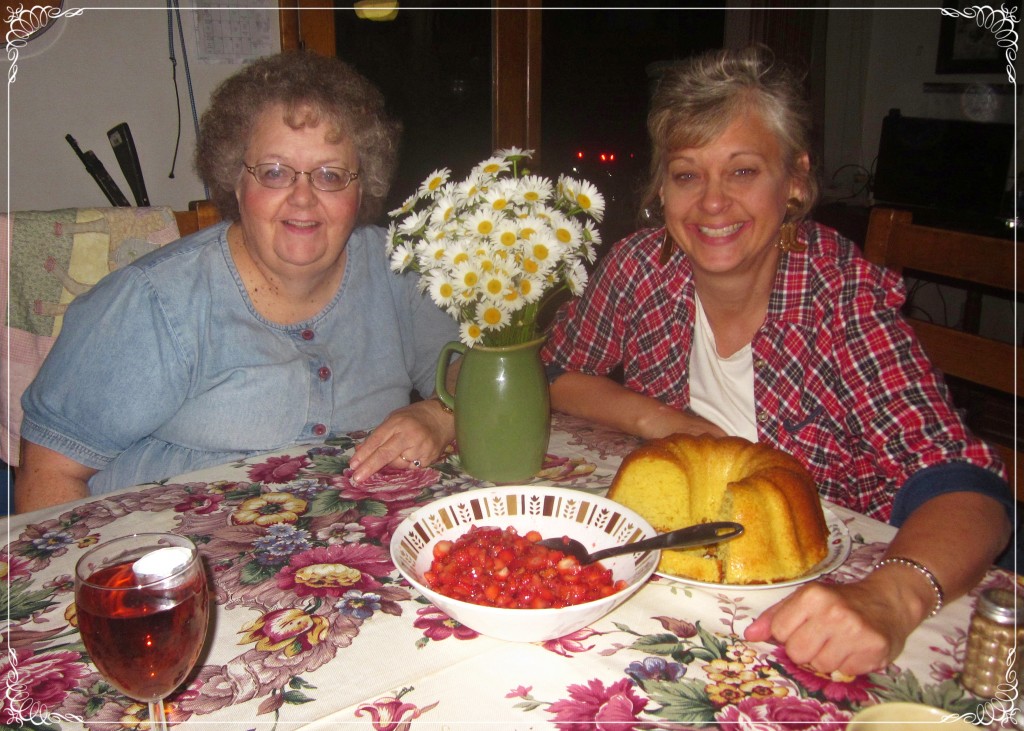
<point>493,249</point>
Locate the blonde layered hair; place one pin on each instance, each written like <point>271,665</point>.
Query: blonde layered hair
<point>696,99</point>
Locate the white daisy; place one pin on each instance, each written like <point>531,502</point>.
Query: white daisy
<point>534,189</point>
<point>567,230</point>
<point>466,278</point>
<point>506,234</point>
<point>407,206</point>
<point>514,153</point>
<point>412,224</point>
<point>513,297</point>
<point>492,316</point>
<point>468,191</point>
<point>430,253</point>
<point>434,182</point>
<point>494,284</point>
<point>470,333</point>
<point>590,200</point>
<point>531,288</point>
<point>591,234</point>
<point>566,188</point>
<point>531,225</point>
<point>392,239</point>
<point>443,209</point>
<point>401,258</point>
<point>456,253</point>
<point>576,279</point>
<point>497,197</point>
<point>481,223</point>
<point>545,250</point>
<point>441,289</point>
<point>492,166</point>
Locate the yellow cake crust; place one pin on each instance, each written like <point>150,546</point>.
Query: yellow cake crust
<point>682,480</point>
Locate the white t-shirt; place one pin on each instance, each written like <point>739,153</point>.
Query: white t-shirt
<point>721,389</point>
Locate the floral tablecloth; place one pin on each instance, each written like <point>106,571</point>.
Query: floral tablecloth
<point>315,629</point>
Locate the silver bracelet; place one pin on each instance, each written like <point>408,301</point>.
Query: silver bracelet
<point>940,596</point>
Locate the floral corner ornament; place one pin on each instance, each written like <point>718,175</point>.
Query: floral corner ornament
<point>493,249</point>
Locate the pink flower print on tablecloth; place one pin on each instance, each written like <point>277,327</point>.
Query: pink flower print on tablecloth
<point>37,685</point>
<point>278,470</point>
<point>789,713</point>
<point>330,571</point>
<point>594,707</point>
<point>437,625</point>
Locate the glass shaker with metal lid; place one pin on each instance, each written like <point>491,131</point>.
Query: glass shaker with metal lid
<point>997,627</point>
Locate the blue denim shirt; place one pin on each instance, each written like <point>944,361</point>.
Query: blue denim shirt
<point>165,367</point>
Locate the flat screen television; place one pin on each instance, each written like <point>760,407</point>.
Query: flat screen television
<point>953,166</point>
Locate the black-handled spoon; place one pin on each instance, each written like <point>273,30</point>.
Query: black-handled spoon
<point>703,534</point>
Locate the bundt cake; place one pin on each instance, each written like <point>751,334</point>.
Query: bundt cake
<point>681,480</point>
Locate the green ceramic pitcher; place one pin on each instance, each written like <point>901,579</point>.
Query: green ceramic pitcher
<point>502,409</point>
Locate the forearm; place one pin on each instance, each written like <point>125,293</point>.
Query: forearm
<point>603,401</point>
<point>47,478</point>
<point>956,536</point>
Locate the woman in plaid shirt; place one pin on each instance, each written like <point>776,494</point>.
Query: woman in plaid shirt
<point>740,317</point>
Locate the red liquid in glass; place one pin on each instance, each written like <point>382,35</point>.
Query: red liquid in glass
<point>144,641</point>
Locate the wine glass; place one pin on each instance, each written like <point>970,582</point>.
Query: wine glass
<point>143,608</point>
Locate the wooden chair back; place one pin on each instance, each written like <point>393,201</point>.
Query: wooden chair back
<point>200,214</point>
<point>973,262</point>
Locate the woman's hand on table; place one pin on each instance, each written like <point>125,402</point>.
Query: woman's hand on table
<point>417,433</point>
<point>862,626</point>
<point>603,401</point>
<point>854,628</point>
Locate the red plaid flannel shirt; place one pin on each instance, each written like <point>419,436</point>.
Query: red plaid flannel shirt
<point>840,381</point>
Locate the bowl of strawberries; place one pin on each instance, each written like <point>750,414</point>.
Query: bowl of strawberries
<point>476,556</point>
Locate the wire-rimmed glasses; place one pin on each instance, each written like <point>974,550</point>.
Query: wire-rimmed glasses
<point>278,176</point>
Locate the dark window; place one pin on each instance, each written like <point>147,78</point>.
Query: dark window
<point>434,68</point>
<point>597,69</point>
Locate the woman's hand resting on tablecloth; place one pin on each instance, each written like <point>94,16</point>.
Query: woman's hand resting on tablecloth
<point>862,626</point>
<point>853,628</point>
<point>414,436</point>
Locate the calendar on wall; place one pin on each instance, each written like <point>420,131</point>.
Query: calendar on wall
<point>235,31</point>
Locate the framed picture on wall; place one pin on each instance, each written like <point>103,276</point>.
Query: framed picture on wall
<point>966,47</point>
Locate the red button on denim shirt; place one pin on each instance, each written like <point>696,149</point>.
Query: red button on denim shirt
<point>324,373</point>
<point>308,335</point>
<point>319,430</point>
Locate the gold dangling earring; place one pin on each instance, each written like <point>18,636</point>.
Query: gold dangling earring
<point>666,249</point>
<point>667,243</point>
<point>787,232</point>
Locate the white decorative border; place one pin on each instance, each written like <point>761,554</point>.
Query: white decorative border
<point>1000,23</point>
<point>1006,704</point>
<point>24,22</point>
<point>21,704</point>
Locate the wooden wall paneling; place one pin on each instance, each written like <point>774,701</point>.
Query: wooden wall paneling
<point>307,25</point>
<point>516,59</point>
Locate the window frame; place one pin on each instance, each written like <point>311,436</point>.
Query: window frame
<point>515,62</point>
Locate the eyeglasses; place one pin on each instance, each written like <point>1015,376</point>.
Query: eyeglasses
<point>277,175</point>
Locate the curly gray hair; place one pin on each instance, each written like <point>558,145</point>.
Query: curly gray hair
<point>696,99</point>
<point>311,88</point>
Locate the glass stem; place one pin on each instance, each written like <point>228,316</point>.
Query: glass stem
<point>157,717</point>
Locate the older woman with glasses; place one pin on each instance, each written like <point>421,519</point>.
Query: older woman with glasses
<point>280,326</point>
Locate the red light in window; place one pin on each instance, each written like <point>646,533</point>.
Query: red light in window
<point>579,155</point>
